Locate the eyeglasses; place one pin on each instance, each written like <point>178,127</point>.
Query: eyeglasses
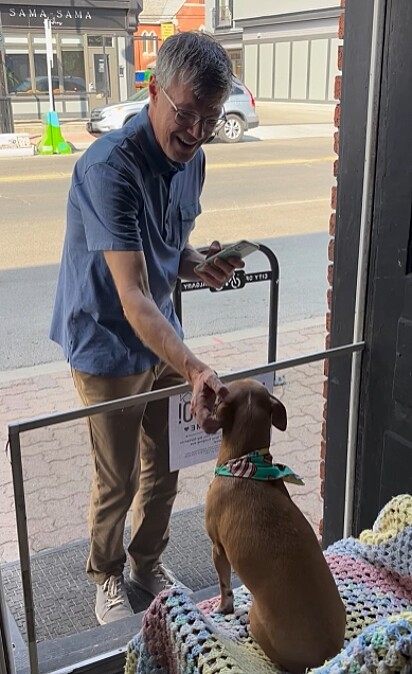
<point>189,119</point>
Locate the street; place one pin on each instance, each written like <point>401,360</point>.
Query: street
<point>276,192</point>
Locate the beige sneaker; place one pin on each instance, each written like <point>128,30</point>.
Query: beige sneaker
<point>156,579</point>
<point>111,601</point>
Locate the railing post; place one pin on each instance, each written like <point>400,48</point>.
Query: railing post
<point>24,551</point>
<point>6,646</point>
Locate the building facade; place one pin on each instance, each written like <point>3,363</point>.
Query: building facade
<point>284,51</point>
<point>160,19</point>
<point>92,55</point>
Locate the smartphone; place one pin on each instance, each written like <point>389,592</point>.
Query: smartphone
<point>239,249</point>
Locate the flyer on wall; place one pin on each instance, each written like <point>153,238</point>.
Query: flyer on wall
<point>188,444</point>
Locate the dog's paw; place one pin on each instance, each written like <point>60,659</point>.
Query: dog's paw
<point>224,607</point>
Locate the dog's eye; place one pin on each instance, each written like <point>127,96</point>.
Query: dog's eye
<point>216,406</point>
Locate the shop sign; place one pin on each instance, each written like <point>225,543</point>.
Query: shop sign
<point>67,17</point>
<point>166,30</point>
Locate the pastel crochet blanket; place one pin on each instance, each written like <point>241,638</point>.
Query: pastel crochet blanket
<point>374,577</point>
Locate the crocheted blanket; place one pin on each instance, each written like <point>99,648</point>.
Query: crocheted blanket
<point>374,577</point>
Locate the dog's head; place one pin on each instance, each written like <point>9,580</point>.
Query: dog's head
<point>248,412</point>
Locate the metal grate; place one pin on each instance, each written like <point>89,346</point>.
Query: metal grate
<point>64,598</point>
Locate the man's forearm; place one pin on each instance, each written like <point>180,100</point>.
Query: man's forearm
<point>159,336</point>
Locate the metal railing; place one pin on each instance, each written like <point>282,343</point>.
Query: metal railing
<point>6,653</point>
<point>15,429</point>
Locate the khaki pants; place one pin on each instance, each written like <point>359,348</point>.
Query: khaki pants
<point>130,452</point>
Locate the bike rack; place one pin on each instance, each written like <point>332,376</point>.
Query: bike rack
<point>238,281</point>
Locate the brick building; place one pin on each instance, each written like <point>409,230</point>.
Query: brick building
<point>160,19</point>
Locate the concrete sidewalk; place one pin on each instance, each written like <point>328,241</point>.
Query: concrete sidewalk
<point>56,460</point>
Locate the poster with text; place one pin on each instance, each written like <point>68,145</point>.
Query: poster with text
<point>188,444</point>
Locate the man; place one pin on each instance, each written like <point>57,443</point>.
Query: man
<point>132,203</point>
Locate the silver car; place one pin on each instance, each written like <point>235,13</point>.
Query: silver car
<point>239,108</point>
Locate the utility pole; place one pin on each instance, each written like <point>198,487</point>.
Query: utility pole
<point>132,22</point>
<point>49,56</point>
<point>52,141</point>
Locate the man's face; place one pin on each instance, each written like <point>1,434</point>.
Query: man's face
<point>179,142</point>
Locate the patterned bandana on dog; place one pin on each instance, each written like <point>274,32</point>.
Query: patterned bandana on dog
<point>258,466</point>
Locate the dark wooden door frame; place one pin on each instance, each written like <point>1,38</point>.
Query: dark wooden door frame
<point>354,106</point>
<point>383,466</point>
<point>384,436</point>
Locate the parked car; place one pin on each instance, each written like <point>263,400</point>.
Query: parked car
<point>239,108</point>
<point>42,85</point>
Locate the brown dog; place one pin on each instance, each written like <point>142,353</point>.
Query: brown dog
<point>297,615</point>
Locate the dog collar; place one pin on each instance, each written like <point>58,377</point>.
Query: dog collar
<point>258,465</point>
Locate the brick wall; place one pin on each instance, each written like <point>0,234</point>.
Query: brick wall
<point>331,248</point>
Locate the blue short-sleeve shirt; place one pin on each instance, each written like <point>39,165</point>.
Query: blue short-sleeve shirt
<point>125,195</point>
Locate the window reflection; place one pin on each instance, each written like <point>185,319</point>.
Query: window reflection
<point>40,70</point>
<point>97,41</point>
<point>102,74</point>
<point>73,71</point>
<point>17,70</point>
<point>68,74</point>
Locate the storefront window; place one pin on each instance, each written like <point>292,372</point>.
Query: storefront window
<point>74,77</point>
<point>72,56</point>
<point>67,75</point>
<point>97,41</point>
<point>17,70</point>
<point>41,83</point>
<point>16,61</point>
<point>40,69</point>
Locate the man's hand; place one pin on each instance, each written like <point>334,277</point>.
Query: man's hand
<point>219,272</point>
<point>206,388</point>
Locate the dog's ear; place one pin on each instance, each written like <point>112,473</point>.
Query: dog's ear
<point>279,415</point>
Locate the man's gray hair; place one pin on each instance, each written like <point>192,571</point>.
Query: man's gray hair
<point>198,61</point>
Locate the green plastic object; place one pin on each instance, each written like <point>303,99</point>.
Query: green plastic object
<point>52,141</point>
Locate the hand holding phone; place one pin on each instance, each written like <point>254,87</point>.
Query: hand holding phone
<point>239,249</point>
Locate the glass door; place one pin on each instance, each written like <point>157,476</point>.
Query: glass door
<point>103,85</point>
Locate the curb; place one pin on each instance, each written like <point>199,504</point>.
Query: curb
<point>80,140</point>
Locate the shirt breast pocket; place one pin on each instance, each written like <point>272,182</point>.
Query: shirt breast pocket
<point>187,217</point>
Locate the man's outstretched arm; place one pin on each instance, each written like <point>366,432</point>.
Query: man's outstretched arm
<point>129,273</point>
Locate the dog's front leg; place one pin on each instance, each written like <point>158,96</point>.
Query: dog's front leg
<point>224,572</point>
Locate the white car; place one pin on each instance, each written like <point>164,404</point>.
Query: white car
<point>239,108</point>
